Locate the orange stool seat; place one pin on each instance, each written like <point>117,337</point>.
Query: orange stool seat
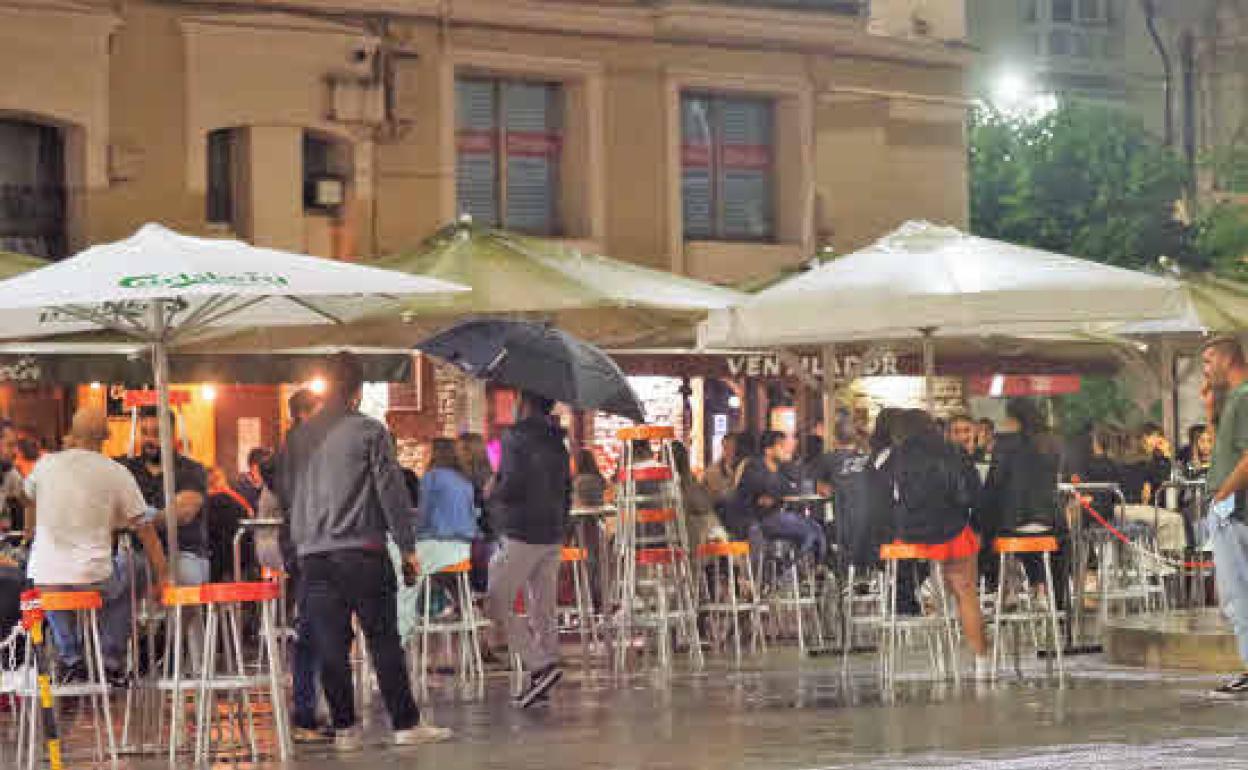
<point>652,473</point>
<point>903,551</point>
<point>457,568</point>
<point>182,596</point>
<point>646,433</point>
<point>653,557</point>
<point>71,601</point>
<point>573,555</point>
<point>655,515</point>
<point>1031,544</point>
<point>225,593</point>
<point>727,549</point>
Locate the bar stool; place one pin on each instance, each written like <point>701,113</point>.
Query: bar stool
<point>791,588</point>
<point>461,634</point>
<point>662,605</point>
<point>1009,549</point>
<point>185,635</point>
<point>577,562</point>
<point>721,567</point>
<point>225,604</point>
<point>941,652</point>
<point>85,607</point>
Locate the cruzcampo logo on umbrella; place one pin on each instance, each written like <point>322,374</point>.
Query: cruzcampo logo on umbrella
<point>188,280</point>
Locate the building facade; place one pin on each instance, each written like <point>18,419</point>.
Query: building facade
<point>723,140</point>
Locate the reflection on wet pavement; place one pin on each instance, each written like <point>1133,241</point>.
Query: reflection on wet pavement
<point>802,715</point>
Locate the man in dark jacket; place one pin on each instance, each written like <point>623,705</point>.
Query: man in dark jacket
<point>339,482</point>
<point>532,496</point>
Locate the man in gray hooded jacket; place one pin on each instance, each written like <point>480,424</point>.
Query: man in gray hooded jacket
<point>343,489</point>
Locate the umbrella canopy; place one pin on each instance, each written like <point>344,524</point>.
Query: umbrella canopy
<point>540,359</point>
<point>925,277</point>
<point>599,299</point>
<point>167,289</point>
<point>12,264</point>
<point>1210,305</point>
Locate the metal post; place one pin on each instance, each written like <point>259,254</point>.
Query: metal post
<point>160,372</point>
<point>828,363</point>
<point>929,369</point>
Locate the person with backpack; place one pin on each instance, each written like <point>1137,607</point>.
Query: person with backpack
<point>931,507</point>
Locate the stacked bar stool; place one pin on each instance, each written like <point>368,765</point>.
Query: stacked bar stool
<point>1009,550</point>
<point>729,591</point>
<point>85,607</point>
<point>939,631</point>
<point>461,633</point>
<point>238,674</point>
<point>654,586</point>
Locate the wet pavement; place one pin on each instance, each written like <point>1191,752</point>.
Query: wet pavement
<point>791,714</point>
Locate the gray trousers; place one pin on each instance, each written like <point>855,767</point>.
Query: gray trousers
<point>535,568</point>
<point>1229,538</point>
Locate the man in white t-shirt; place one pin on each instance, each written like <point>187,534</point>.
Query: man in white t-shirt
<point>81,499</point>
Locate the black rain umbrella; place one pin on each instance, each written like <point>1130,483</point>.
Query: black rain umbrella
<point>540,359</point>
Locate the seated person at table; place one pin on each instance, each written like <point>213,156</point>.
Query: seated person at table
<point>81,498</point>
<point>1141,474</point>
<point>589,488</point>
<point>701,521</point>
<point>225,509</point>
<point>446,516</point>
<point>1020,495</point>
<point>757,512</point>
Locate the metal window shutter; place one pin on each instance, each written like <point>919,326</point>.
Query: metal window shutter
<point>476,172</point>
<point>746,169</point>
<point>696,146</point>
<point>533,136</point>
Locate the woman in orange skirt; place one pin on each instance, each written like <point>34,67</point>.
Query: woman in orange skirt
<point>932,500</point>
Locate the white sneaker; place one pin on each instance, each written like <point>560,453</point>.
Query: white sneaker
<point>421,734</point>
<point>348,740</point>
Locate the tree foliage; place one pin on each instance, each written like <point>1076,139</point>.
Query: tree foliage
<point>1083,179</point>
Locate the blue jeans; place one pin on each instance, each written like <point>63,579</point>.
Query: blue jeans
<point>304,663</point>
<point>1229,538</point>
<point>805,533</point>
<point>114,619</point>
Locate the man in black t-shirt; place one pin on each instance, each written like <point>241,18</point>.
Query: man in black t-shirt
<point>191,494</point>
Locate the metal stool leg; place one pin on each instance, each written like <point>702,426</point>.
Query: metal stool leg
<point>1053,616</point>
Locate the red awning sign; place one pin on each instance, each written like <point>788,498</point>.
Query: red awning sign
<point>144,399</point>
<point>1011,385</point>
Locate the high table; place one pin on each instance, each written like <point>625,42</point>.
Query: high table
<point>583,518</point>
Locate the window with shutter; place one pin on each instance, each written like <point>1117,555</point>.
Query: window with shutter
<point>509,147</point>
<point>727,167</point>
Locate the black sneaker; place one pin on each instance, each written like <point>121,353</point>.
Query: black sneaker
<point>71,674</point>
<point>539,685</point>
<point>1236,688</point>
<point>118,679</point>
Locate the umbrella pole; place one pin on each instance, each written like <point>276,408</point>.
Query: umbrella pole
<point>828,363</point>
<point>929,370</point>
<point>160,372</point>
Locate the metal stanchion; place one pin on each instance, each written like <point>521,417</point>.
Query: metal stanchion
<point>32,620</point>
<point>1079,559</point>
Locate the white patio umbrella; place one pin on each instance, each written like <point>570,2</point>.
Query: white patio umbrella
<point>165,290</point>
<point>928,280</point>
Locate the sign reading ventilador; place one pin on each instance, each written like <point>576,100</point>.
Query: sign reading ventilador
<point>189,280</point>
<point>874,363</point>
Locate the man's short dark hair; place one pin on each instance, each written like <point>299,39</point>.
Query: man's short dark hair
<point>259,456</point>
<point>962,417</point>
<point>345,373</point>
<point>1228,346</point>
<point>153,413</point>
<point>301,404</point>
<point>771,438</point>
<point>1150,429</point>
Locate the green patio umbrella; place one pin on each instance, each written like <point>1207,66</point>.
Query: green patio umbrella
<point>602,300</point>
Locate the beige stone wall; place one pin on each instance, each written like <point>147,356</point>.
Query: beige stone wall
<point>868,122</point>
